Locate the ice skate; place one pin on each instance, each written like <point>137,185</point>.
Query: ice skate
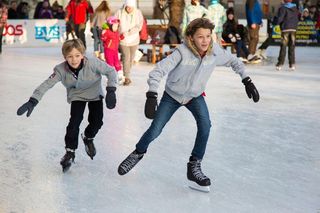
<point>254,59</point>
<point>197,180</point>
<point>89,146</point>
<point>121,77</point>
<point>129,162</point>
<point>67,159</point>
<point>278,67</point>
<point>292,68</point>
<point>262,53</point>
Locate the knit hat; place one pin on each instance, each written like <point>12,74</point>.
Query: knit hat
<point>130,3</point>
<point>112,20</point>
<point>214,1</point>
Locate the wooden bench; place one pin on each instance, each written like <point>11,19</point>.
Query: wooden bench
<point>157,50</point>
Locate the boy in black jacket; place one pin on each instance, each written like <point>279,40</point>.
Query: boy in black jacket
<point>288,21</point>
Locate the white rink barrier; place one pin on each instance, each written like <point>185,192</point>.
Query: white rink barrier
<point>37,33</point>
<point>52,32</point>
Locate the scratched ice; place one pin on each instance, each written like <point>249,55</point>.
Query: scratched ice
<point>261,157</point>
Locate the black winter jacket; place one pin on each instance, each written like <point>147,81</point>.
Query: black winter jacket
<point>288,17</point>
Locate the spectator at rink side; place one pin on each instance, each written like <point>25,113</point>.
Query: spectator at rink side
<point>217,14</point>
<point>3,20</point>
<point>254,20</point>
<point>46,11</point>
<point>12,11</point>
<point>232,34</point>
<point>38,8</point>
<point>305,16</point>
<point>78,11</point>
<point>191,12</point>
<point>101,13</point>
<point>288,21</point>
<point>131,21</point>
<point>23,10</point>
<point>59,14</point>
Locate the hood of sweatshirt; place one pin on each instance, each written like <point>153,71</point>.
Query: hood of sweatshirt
<point>289,5</point>
<point>193,47</point>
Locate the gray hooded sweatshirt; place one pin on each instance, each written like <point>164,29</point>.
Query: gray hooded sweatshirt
<point>84,87</point>
<point>188,72</point>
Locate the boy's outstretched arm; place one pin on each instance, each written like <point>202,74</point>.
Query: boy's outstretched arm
<point>225,58</point>
<point>38,93</point>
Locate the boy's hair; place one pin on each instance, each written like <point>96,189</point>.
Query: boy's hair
<point>197,23</point>
<point>70,44</point>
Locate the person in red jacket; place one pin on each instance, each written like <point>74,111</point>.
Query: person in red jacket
<point>111,39</point>
<point>3,20</point>
<point>78,10</point>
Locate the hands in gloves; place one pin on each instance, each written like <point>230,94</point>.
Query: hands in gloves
<point>111,97</point>
<point>251,90</point>
<point>151,105</point>
<point>28,106</point>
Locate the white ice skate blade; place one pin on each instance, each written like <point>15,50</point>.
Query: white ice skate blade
<point>195,186</point>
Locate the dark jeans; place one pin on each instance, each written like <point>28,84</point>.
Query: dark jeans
<point>168,106</point>
<point>1,31</point>
<point>97,43</point>
<point>241,47</point>
<point>76,115</point>
<point>266,43</point>
<point>288,39</point>
<point>79,30</point>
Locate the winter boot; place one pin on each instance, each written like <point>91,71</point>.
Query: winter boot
<point>90,149</point>
<point>129,162</point>
<point>127,81</point>
<point>67,159</point>
<point>198,180</point>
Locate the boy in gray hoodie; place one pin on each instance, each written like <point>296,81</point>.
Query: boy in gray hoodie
<point>189,68</point>
<point>82,78</point>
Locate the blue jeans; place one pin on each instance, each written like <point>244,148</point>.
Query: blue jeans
<point>241,47</point>
<point>168,106</point>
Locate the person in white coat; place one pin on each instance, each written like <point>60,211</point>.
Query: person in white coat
<point>131,20</point>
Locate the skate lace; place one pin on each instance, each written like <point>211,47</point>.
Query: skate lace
<point>130,162</point>
<point>196,170</point>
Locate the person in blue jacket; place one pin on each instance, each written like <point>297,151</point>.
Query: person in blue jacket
<point>189,68</point>
<point>254,20</point>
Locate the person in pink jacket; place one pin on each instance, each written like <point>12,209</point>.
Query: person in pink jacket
<point>111,39</point>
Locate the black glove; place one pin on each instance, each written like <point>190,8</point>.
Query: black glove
<point>251,90</point>
<point>111,97</point>
<point>151,105</point>
<point>28,106</point>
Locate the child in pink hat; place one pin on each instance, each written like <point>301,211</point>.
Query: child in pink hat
<point>111,39</point>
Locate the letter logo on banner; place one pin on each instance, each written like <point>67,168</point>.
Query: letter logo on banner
<point>47,33</point>
<point>13,30</point>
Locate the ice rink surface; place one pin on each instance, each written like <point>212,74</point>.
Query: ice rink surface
<point>261,157</point>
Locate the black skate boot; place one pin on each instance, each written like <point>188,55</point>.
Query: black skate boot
<point>197,179</point>
<point>67,159</point>
<point>90,149</point>
<point>129,162</point>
